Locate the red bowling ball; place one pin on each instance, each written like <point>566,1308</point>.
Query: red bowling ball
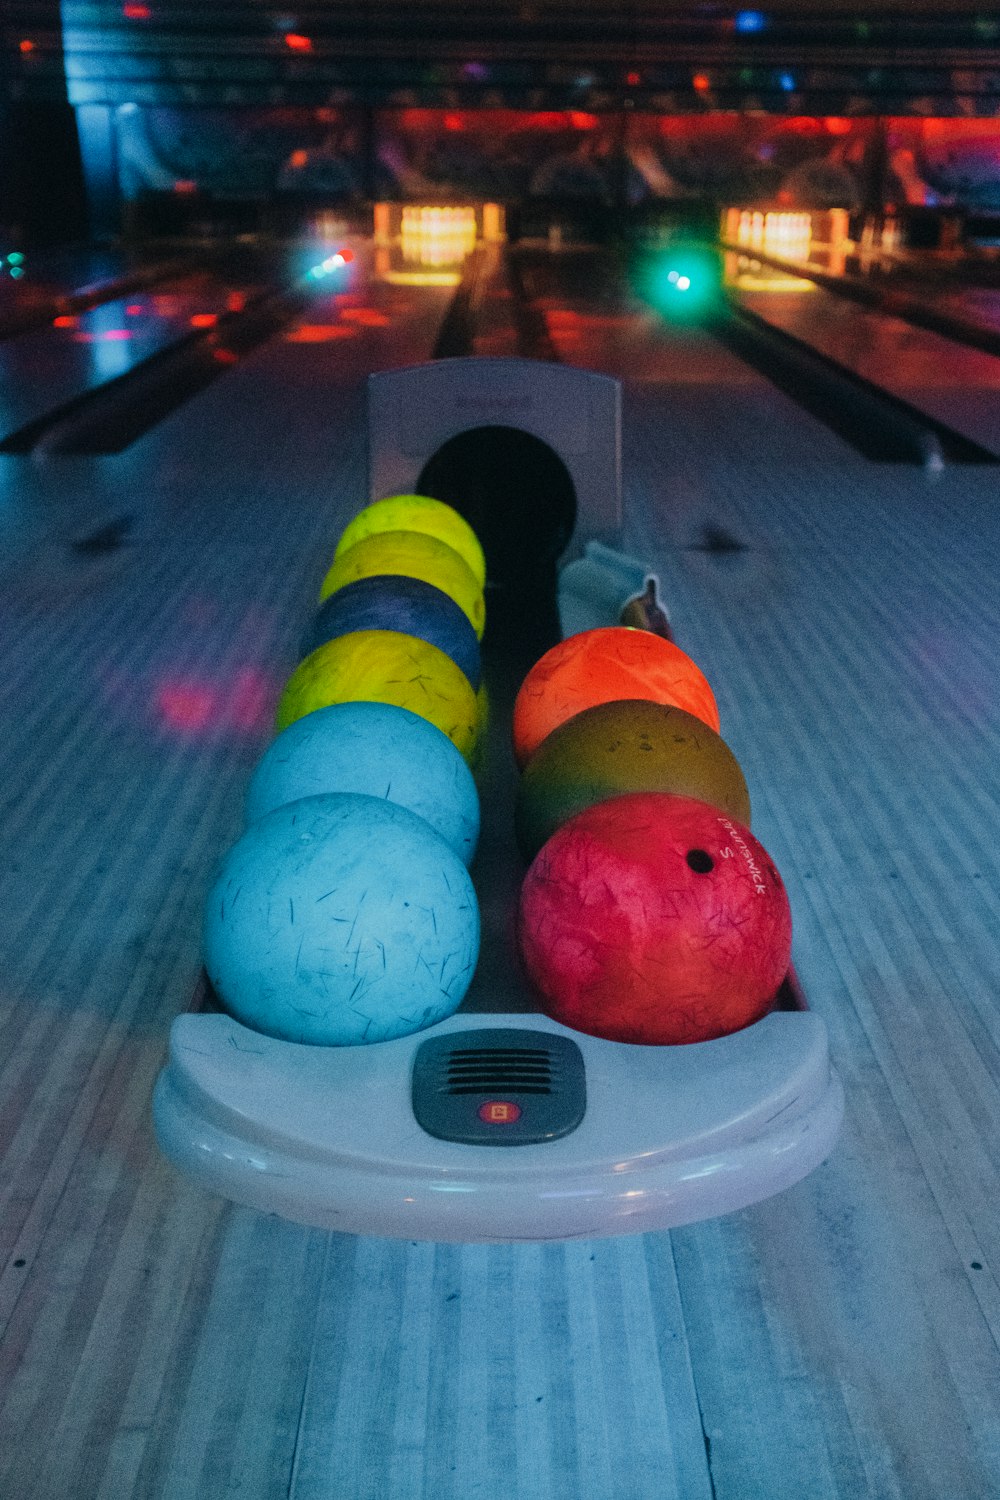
<point>655,919</point>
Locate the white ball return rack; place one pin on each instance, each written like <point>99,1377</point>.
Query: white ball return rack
<point>595,1137</point>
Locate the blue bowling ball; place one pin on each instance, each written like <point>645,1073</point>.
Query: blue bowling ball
<point>391,601</point>
<point>378,750</point>
<point>341,919</point>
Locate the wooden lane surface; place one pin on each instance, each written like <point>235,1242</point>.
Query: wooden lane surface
<point>833,1342</point>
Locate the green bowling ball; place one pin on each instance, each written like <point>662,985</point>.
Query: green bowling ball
<point>627,745</point>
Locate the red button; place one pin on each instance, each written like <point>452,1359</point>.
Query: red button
<point>499,1112</point>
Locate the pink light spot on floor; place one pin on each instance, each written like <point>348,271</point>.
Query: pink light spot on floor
<point>251,702</point>
<point>186,706</point>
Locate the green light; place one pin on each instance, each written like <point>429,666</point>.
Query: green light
<point>16,271</point>
<point>16,258</point>
<point>682,280</point>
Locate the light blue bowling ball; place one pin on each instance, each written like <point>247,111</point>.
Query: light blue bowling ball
<point>341,919</point>
<point>378,750</point>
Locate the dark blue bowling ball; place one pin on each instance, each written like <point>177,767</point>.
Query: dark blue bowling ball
<point>391,601</point>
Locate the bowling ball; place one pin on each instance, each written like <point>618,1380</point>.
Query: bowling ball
<point>395,602</point>
<point>629,745</point>
<point>384,666</point>
<point>378,750</point>
<point>418,513</point>
<point>340,919</point>
<point>598,666</point>
<point>414,555</point>
<point>655,919</point>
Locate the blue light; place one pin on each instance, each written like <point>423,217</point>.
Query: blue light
<point>750,20</point>
<point>787,82</point>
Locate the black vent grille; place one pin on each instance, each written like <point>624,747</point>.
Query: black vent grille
<point>477,1070</point>
<point>499,1086</point>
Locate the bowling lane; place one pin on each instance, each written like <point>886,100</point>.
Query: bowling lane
<point>966,288</point>
<point>949,381</point>
<point>708,398</point>
<point>43,368</point>
<point>35,286</point>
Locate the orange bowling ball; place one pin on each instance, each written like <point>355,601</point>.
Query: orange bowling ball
<point>601,666</point>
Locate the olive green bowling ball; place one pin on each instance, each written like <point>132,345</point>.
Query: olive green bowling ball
<point>627,745</point>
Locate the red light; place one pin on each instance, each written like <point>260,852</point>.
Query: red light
<point>26,46</point>
<point>580,121</point>
<point>318,333</point>
<point>499,1112</point>
<point>366,317</point>
<point>186,705</point>
<point>297,42</point>
<point>298,159</point>
<point>203,320</point>
<point>346,256</point>
<point>136,12</point>
<point>133,310</point>
<point>453,121</point>
<point>633,80</point>
<point>65,320</point>
<point>701,82</point>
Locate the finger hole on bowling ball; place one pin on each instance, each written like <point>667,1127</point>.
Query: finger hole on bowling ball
<point>700,861</point>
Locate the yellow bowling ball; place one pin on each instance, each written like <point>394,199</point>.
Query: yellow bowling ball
<point>418,513</point>
<point>385,666</point>
<point>415,555</point>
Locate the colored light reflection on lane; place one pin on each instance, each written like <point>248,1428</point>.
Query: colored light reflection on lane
<point>318,333</point>
<point>366,317</point>
<point>421,278</point>
<point>192,706</point>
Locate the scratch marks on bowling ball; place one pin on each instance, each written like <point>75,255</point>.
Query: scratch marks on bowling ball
<point>107,538</point>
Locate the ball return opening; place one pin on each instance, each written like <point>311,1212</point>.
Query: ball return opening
<point>500,1124</point>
